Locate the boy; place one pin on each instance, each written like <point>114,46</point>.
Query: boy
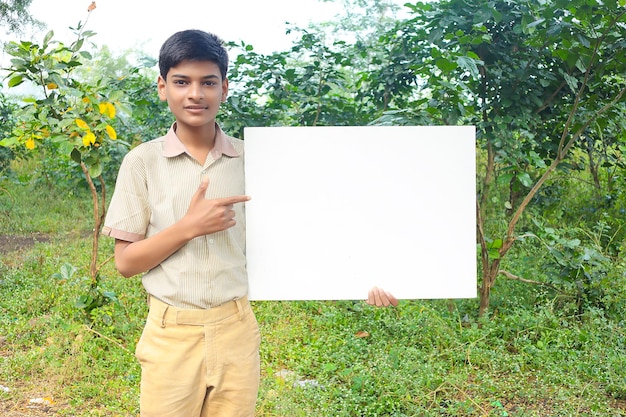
<point>177,212</point>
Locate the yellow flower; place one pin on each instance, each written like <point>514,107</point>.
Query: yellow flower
<point>89,139</point>
<point>111,132</point>
<point>82,124</point>
<point>52,86</point>
<point>111,110</point>
<point>108,109</point>
<point>30,143</point>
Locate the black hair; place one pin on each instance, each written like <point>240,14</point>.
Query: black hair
<point>192,45</point>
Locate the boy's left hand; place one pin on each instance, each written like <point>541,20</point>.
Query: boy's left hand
<point>379,298</point>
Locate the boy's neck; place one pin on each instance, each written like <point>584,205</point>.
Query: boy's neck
<point>199,141</point>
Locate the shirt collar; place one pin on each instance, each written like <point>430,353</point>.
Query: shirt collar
<point>223,146</point>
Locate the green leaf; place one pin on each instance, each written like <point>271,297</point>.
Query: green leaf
<point>84,301</point>
<point>497,16</point>
<point>67,271</point>
<point>15,81</point>
<point>446,65</point>
<point>95,170</point>
<point>572,82</point>
<point>58,139</point>
<point>47,38</point>
<point>505,179</point>
<point>495,244</point>
<point>65,147</point>
<point>525,179</point>
<point>8,142</point>
<point>563,54</point>
<point>469,64</point>
<point>330,367</point>
<point>534,24</point>
<point>76,156</point>
<point>78,44</point>
<point>116,95</point>
<point>580,64</point>
<point>66,122</point>
<point>19,63</point>
<point>110,295</point>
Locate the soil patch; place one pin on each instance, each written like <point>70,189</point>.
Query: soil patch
<point>13,243</point>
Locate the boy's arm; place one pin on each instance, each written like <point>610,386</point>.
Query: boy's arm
<point>203,217</point>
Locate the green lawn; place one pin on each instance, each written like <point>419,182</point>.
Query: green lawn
<point>537,354</point>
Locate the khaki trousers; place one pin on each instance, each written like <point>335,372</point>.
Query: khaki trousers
<point>199,363</point>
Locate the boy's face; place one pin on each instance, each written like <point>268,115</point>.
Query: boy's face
<point>194,91</point>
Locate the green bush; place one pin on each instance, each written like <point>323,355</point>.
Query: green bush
<point>7,110</point>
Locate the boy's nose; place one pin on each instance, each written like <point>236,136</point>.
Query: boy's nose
<point>195,92</point>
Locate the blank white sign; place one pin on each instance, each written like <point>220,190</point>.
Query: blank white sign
<point>338,210</point>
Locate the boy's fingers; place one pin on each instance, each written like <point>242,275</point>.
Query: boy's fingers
<point>379,301</point>
<point>226,201</point>
<point>201,192</point>
<point>229,201</point>
<point>374,297</point>
<point>393,300</point>
<point>379,297</point>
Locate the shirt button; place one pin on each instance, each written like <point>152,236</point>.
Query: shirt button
<point>211,241</point>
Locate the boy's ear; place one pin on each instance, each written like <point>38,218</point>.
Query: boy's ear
<point>224,89</point>
<point>161,88</point>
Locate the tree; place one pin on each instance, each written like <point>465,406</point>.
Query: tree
<point>69,118</point>
<point>322,80</point>
<point>536,78</point>
<point>14,15</point>
<point>310,85</point>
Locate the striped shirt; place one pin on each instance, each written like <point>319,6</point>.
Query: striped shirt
<point>155,184</point>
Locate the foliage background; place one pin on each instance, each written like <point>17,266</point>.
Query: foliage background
<point>542,81</point>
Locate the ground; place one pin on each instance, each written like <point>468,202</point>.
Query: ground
<point>24,408</point>
<point>11,243</point>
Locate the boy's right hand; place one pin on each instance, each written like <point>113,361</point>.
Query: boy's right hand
<point>206,216</point>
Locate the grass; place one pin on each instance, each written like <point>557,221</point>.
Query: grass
<point>536,355</point>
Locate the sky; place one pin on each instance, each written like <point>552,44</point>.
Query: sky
<point>144,25</point>
<point>124,24</point>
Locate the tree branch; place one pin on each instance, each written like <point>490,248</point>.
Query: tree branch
<point>124,348</point>
<point>530,281</point>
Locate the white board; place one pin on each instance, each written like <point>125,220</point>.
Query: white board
<point>338,210</point>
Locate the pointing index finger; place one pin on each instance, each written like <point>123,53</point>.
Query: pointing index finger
<point>228,201</point>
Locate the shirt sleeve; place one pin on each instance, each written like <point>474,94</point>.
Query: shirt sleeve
<point>128,215</point>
